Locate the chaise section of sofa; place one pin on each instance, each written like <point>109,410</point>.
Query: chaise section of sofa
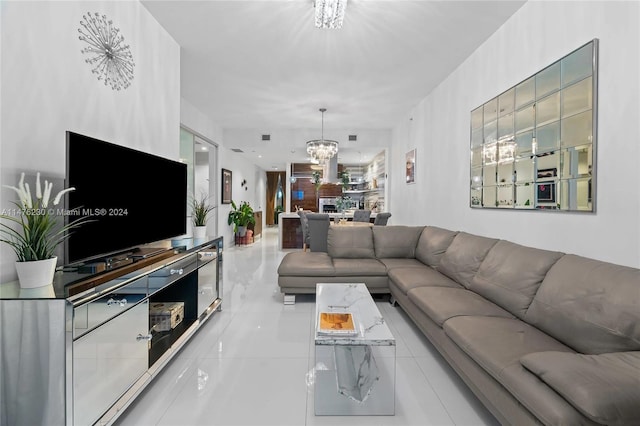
<point>350,258</point>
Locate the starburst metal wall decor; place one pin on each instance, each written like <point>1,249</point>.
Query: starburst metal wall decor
<point>110,58</point>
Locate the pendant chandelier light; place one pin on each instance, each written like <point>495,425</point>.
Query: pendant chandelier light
<point>322,150</point>
<point>330,13</point>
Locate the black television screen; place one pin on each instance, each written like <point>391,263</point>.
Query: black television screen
<point>133,197</point>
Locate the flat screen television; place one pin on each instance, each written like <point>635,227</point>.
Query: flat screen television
<point>134,197</point>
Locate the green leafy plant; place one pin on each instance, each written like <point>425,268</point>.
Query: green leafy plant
<point>36,231</point>
<point>200,209</point>
<point>240,215</point>
<point>342,203</point>
<point>344,180</point>
<point>316,180</point>
<point>276,213</point>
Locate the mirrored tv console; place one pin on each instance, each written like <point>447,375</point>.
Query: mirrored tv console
<point>78,352</point>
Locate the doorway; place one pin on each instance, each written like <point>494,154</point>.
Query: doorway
<point>275,196</point>
<point>201,156</point>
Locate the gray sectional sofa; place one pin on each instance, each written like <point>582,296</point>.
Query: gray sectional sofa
<point>541,337</point>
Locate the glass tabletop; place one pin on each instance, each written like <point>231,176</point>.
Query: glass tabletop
<point>370,326</point>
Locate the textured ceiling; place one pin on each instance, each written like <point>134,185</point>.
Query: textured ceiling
<point>263,66</point>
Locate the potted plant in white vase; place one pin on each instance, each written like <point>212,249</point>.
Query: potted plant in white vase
<point>35,232</point>
<point>200,209</point>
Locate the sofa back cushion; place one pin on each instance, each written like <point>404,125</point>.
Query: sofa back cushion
<point>510,275</point>
<point>396,241</point>
<point>350,242</point>
<point>590,305</point>
<point>463,257</point>
<point>432,245</point>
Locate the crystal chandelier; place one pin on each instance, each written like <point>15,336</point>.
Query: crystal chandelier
<point>499,152</point>
<point>111,59</point>
<point>322,150</point>
<point>506,151</point>
<point>330,13</point>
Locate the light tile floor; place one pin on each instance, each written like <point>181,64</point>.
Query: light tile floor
<point>248,364</point>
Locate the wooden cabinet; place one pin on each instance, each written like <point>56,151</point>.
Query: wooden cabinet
<point>257,228</point>
<point>291,232</point>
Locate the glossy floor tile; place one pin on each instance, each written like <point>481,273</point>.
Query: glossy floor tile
<point>252,363</point>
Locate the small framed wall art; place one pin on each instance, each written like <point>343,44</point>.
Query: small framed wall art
<point>226,186</point>
<point>410,170</point>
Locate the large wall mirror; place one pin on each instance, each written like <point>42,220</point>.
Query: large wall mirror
<point>533,146</point>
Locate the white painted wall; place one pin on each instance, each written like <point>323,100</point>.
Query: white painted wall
<point>47,88</point>
<point>537,35</point>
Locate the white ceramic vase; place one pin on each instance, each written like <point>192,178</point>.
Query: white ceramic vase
<point>199,232</point>
<point>36,273</point>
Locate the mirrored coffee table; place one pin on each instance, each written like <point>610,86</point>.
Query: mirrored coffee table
<point>355,371</point>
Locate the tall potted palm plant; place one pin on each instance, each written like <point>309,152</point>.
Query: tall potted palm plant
<point>317,183</point>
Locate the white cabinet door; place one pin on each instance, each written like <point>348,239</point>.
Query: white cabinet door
<point>207,282</point>
<point>107,361</point>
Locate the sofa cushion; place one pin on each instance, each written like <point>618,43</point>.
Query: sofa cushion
<point>442,303</point>
<point>407,278</point>
<point>463,257</point>
<point>358,267</point>
<point>540,399</point>
<point>401,263</point>
<point>605,388</point>
<point>351,242</point>
<point>589,305</point>
<point>301,263</point>
<point>396,241</point>
<point>496,343</point>
<point>432,245</point>
<point>510,275</point>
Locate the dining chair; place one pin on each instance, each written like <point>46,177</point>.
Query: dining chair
<point>318,231</point>
<point>361,215</point>
<point>304,224</point>
<point>381,219</point>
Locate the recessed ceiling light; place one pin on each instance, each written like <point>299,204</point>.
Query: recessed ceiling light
<point>259,156</point>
